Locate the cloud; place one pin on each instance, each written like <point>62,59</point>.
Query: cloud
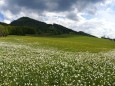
<point>51,5</point>
<point>40,6</point>
<point>92,16</point>
<point>70,8</point>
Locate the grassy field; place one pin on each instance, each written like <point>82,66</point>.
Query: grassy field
<point>56,61</point>
<point>66,43</point>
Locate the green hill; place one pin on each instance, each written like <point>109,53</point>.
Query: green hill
<point>43,28</point>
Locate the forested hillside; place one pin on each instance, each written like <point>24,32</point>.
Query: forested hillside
<point>28,26</point>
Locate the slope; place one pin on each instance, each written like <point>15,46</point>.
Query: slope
<point>43,28</point>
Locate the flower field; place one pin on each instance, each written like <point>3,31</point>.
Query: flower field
<point>30,64</point>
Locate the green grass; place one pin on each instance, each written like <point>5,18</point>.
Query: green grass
<point>55,61</point>
<point>66,43</point>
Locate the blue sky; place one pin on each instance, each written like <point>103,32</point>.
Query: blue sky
<point>96,17</point>
<point>1,17</point>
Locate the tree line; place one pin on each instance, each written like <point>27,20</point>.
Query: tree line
<point>25,30</point>
<point>37,30</point>
<point>16,30</point>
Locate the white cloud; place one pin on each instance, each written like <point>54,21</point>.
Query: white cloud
<point>2,2</point>
<point>101,22</point>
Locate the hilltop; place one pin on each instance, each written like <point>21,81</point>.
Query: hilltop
<point>26,25</point>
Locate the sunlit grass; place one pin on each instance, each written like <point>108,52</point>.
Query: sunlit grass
<point>66,43</point>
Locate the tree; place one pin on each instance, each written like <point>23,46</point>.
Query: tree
<point>3,31</point>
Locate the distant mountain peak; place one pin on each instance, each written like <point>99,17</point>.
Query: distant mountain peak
<point>24,19</point>
<point>44,28</point>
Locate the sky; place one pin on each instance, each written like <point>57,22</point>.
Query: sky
<point>96,17</point>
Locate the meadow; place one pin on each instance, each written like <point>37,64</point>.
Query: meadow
<point>56,61</point>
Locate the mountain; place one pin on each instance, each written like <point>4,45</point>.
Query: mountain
<point>43,28</point>
<point>4,24</point>
<point>26,21</point>
<point>28,26</point>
